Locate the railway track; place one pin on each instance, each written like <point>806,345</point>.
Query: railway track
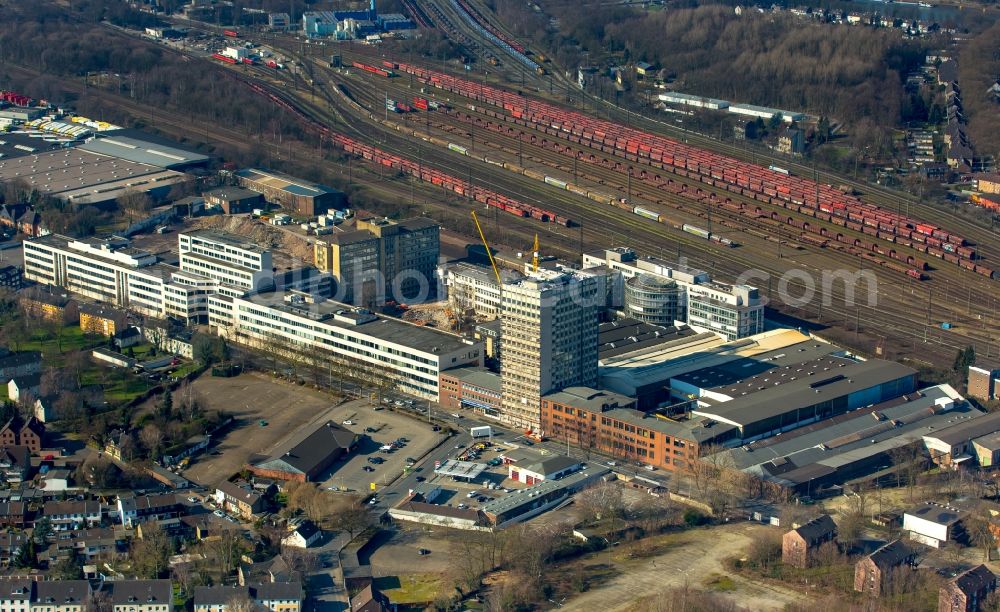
<point>653,237</point>
<point>687,211</point>
<point>886,318</point>
<point>982,287</point>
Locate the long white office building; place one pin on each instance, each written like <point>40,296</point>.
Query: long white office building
<point>109,270</point>
<point>732,311</point>
<point>227,259</point>
<point>296,323</point>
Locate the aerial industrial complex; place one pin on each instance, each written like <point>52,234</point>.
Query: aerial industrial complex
<point>306,389</point>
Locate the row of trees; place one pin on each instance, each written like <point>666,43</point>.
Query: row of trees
<point>773,60</point>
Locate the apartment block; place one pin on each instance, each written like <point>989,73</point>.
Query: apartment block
<point>227,259</point>
<point>110,270</point>
<point>303,325</point>
<point>549,324</point>
<point>381,257</point>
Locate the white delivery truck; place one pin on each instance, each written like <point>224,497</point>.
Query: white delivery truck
<point>481,432</point>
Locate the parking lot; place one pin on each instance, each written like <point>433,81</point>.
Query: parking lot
<point>381,428</point>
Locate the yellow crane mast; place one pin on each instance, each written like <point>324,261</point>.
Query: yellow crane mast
<point>534,255</point>
<point>486,245</point>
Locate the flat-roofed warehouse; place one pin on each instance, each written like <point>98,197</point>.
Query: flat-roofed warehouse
<point>854,444</point>
<point>145,152</point>
<point>289,192</point>
<point>780,390</point>
<point>85,178</point>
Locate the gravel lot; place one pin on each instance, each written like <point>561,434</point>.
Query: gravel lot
<point>251,397</point>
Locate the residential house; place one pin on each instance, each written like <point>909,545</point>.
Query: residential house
<point>10,543</point>
<point>873,573</point>
<point>28,433</point>
<point>20,363</point>
<point>15,463</point>
<point>201,526</point>
<point>370,599</point>
<point>14,514</point>
<point>273,596</point>
<point>968,591</point>
<point>799,546</point>
<point>11,277</point>
<point>120,444</point>
<point>934,524</point>
<point>278,596</point>
<point>140,595</point>
<point>49,303</point>
<point>126,337</point>
<point>240,500</point>
<point>55,480</point>
<point>101,320</point>
<point>16,594</point>
<point>22,389</point>
<point>133,510</point>
<point>73,514</point>
<point>551,468</point>
<point>644,69</point>
<point>304,535</point>
<point>62,596</point>
<point>274,569</point>
<point>89,544</point>
<point>10,213</point>
<point>30,224</point>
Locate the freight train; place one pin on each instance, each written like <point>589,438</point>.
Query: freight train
<point>818,235</point>
<point>374,70</point>
<point>416,169</point>
<point>763,184</point>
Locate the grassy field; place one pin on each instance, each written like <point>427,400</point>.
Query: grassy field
<point>411,588</point>
<point>71,338</point>
<point>120,386</point>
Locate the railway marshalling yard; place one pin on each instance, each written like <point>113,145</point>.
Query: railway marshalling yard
<point>790,250</point>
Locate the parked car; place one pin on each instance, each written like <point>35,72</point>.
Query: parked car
<point>423,551</point>
<point>368,468</point>
<point>219,513</point>
<point>348,422</point>
<point>376,460</point>
<point>420,479</point>
<point>193,499</point>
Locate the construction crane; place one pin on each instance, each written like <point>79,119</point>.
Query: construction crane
<point>534,255</point>
<point>486,245</point>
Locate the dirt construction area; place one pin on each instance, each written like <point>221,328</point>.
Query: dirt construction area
<point>252,398</point>
<point>691,558</point>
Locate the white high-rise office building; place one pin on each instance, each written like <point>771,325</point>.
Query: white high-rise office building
<point>549,323</point>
